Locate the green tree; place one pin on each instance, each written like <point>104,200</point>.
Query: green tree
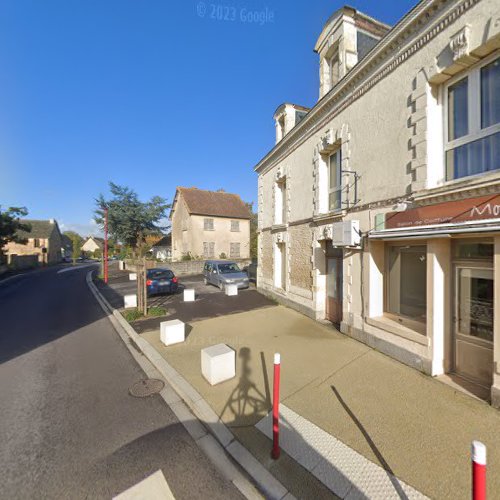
<point>76,244</point>
<point>253,231</point>
<point>129,219</point>
<point>10,224</point>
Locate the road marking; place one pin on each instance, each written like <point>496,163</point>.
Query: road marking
<point>154,487</point>
<point>74,268</point>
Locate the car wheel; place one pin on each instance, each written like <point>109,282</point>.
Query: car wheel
<point>221,286</point>
<point>205,281</point>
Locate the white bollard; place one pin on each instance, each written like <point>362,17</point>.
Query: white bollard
<point>132,276</point>
<point>172,332</point>
<point>121,265</point>
<point>218,363</point>
<point>130,301</point>
<point>231,289</point>
<point>189,295</point>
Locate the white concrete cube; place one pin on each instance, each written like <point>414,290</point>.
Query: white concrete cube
<point>189,295</point>
<point>132,276</point>
<point>231,289</point>
<point>172,332</point>
<point>121,265</point>
<point>218,363</point>
<point>130,300</point>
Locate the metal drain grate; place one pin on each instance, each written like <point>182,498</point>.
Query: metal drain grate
<point>146,388</point>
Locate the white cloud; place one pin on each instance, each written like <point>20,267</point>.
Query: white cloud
<point>90,229</point>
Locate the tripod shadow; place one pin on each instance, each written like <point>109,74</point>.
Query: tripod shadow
<point>246,404</point>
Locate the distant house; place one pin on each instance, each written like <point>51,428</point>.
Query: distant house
<point>209,224</point>
<point>92,244</point>
<point>66,247</point>
<point>44,240</point>
<point>162,249</point>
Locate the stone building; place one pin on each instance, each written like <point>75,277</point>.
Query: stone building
<point>209,224</point>
<point>44,240</point>
<point>379,207</point>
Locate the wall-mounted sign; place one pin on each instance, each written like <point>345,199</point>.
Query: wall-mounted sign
<point>468,210</point>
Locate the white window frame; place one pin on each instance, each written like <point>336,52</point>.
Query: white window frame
<point>474,113</point>
<point>235,226</point>
<point>280,202</point>
<point>338,188</point>
<point>208,224</point>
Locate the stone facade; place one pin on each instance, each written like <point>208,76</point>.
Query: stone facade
<point>381,130</point>
<point>227,235</point>
<point>44,241</point>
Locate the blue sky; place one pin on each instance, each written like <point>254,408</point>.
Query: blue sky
<point>151,94</point>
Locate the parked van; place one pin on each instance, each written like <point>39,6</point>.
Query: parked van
<point>222,272</point>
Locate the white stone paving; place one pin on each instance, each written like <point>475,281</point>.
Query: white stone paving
<point>344,471</point>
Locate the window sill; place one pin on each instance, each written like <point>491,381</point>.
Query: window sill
<point>329,215</point>
<point>391,326</point>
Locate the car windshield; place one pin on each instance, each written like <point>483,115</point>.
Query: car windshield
<point>160,274</point>
<point>229,268</point>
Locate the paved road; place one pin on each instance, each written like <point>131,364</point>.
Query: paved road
<point>68,427</point>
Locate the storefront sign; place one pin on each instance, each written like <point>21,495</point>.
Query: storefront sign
<point>468,210</point>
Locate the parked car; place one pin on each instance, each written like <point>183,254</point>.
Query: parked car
<point>161,280</point>
<point>251,271</point>
<point>222,272</point>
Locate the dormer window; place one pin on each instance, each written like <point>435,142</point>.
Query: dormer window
<point>333,69</point>
<point>281,125</point>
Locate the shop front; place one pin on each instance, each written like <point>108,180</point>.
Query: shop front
<point>442,267</point>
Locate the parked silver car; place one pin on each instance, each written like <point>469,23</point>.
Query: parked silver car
<point>222,272</point>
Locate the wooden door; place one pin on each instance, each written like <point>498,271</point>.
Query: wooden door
<point>334,295</point>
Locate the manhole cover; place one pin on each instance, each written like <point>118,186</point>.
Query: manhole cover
<point>146,388</point>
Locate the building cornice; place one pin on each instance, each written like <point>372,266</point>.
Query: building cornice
<point>384,58</point>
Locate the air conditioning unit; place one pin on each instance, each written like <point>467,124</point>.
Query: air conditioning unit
<point>346,233</point>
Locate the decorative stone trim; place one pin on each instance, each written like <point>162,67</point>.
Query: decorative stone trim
<point>417,125</point>
<point>328,143</point>
<point>459,43</point>
<point>335,102</point>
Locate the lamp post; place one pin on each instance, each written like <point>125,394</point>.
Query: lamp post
<point>105,244</point>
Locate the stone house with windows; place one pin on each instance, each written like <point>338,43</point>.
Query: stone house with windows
<point>379,209</point>
<point>209,224</point>
<point>44,240</point>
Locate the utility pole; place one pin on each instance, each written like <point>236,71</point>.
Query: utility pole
<point>105,244</point>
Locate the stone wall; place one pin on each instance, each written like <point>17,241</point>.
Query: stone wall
<point>266,254</point>
<point>184,268</point>
<point>300,256</point>
<point>23,261</point>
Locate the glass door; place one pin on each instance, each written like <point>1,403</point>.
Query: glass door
<point>474,323</point>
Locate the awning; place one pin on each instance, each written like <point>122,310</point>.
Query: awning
<point>432,232</point>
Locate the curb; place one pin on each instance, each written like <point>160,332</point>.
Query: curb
<point>221,440</point>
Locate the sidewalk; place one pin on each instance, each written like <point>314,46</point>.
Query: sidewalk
<point>410,424</point>
<point>352,397</point>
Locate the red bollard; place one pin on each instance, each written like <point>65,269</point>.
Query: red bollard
<point>276,407</point>
<point>478,471</point>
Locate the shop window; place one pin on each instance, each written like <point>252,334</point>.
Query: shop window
<point>473,250</point>
<point>473,122</point>
<point>406,286</point>
<point>208,224</point>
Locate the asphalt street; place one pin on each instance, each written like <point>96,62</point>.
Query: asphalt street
<point>68,426</point>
